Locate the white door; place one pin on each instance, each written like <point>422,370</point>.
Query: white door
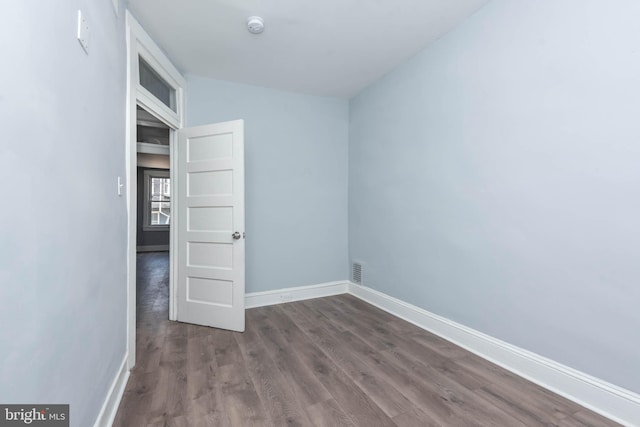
<point>210,217</point>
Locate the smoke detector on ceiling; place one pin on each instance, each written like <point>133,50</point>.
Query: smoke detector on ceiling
<point>255,24</point>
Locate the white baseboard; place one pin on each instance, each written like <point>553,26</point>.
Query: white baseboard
<point>110,406</point>
<point>152,248</point>
<point>279,296</point>
<point>616,403</point>
<point>604,398</point>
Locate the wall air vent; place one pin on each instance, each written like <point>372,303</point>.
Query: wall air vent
<point>356,272</point>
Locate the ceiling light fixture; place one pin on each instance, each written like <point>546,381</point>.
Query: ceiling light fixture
<point>255,24</point>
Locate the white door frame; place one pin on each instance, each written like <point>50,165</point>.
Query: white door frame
<point>140,44</point>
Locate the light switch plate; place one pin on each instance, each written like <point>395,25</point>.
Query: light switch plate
<point>83,31</point>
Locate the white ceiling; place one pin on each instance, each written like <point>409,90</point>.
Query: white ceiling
<point>320,47</point>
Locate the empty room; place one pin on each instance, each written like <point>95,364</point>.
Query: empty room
<point>330,213</point>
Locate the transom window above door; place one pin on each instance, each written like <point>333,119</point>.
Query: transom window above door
<point>156,85</point>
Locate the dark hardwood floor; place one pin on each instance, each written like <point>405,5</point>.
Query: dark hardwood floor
<point>333,361</point>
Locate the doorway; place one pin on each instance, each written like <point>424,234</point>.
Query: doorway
<point>205,207</point>
<point>155,110</point>
<point>154,206</point>
<point>153,183</point>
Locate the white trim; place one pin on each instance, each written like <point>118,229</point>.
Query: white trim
<point>151,104</point>
<point>611,401</point>
<point>112,401</point>
<point>139,43</point>
<point>604,398</point>
<point>149,123</point>
<point>279,296</point>
<point>131,156</point>
<point>173,231</point>
<point>152,248</point>
<point>145,147</point>
<point>146,48</point>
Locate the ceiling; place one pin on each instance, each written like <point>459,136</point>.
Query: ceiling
<point>321,47</point>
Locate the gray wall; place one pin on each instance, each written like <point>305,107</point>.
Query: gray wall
<point>295,178</point>
<point>494,179</point>
<point>147,238</point>
<point>62,225</point>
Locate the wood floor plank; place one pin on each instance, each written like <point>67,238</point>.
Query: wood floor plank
<point>462,401</point>
<point>517,409</point>
<point>325,311</point>
<point>331,342</point>
<point>585,419</point>
<point>424,354</point>
<point>276,396</point>
<point>177,330</point>
<point>133,410</point>
<point>375,333</point>
<point>439,345</point>
<point>441,406</point>
<point>226,350</point>
<point>174,349</point>
<point>204,394</point>
<point>493,373</point>
<point>356,304</point>
<point>356,307</point>
<point>506,386</point>
<point>307,388</point>
<point>351,398</point>
<point>361,309</point>
<point>179,421</point>
<point>149,349</point>
<point>536,398</point>
<point>305,309</point>
<point>169,397</point>
<point>325,362</point>
<point>329,414</point>
<point>142,382</point>
<point>438,404</point>
<point>415,417</point>
<point>242,402</point>
<point>591,419</point>
<point>373,315</point>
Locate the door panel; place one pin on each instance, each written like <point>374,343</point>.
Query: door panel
<point>212,183</point>
<point>210,210</point>
<point>210,147</point>
<point>217,219</point>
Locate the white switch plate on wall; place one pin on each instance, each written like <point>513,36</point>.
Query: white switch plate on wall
<point>83,31</point>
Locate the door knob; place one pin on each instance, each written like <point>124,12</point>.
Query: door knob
<point>236,235</point>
